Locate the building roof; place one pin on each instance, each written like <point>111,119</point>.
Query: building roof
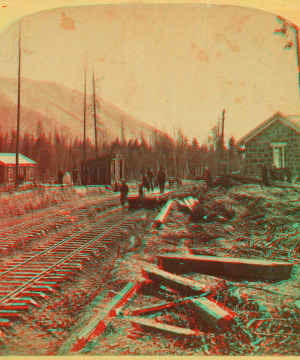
<point>10,159</point>
<point>292,121</point>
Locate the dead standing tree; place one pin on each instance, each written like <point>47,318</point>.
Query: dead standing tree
<point>286,28</point>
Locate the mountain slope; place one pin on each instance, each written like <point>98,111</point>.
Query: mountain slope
<point>58,107</point>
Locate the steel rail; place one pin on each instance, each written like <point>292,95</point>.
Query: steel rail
<point>57,245</point>
<point>63,260</point>
<point>51,210</point>
<point>9,241</point>
<point>51,214</point>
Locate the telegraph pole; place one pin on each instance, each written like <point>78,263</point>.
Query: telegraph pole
<point>84,116</point>
<point>18,108</point>
<point>95,115</point>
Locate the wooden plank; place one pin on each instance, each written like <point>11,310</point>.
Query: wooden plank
<point>228,266</point>
<point>165,328</point>
<point>176,282</point>
<point>212,313</point>
<point>98,324</point>
<point>153,308</point>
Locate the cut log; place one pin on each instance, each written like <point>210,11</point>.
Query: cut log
<point>165,328</point>
<point>163,214</point>
<point>227,266</point>
<point>176,282</point>
<point>183,206</point>
<point>213,314</point>
<point>188,204</point>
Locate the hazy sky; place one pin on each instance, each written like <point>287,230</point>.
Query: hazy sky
<point>167,65</point>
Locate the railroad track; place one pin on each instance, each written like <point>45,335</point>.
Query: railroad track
<point>35,276</point>
<point>14,236</point>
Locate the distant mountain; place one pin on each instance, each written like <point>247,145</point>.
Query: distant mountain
<point>58,107</point>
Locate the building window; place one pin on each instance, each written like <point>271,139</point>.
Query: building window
<point>10,173</point>
<point>278,155</point>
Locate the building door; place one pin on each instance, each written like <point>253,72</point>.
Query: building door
<point>22,173</point>
<point>278,157</point>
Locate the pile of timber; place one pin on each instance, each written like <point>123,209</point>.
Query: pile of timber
<point>191,292</point>
<point>205,310</point>
<point>188,204</point>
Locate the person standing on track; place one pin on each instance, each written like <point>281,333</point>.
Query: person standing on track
<point>124,189</point>
<point>208,177</point>
<point>60,176</point>
<point>75,176</point>
<point>162,178</point>
<point>150,176</point>
<point>145,181</point>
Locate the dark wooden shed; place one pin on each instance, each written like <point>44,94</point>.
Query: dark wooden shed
<point>103,170</point>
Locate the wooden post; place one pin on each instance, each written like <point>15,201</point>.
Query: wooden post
<point>95,115</point>
<point>84,116</point>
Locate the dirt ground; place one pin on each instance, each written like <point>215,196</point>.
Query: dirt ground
<point>261,223</point>
<point>256,222</point>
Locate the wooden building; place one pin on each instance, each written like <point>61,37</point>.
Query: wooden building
<point>28,170</point>
<point>274,143</point>
<point>103,170</point>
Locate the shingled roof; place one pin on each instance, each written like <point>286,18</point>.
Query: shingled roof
<point>292,121</point>
<point>10,159</point>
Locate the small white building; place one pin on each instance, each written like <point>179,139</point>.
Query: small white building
<point>27,168</point>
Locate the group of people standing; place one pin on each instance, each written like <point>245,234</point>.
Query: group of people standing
<point>147,182</point>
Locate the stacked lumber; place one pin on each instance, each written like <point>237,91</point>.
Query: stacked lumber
<point>207,311</point>
<point>188,204</point>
